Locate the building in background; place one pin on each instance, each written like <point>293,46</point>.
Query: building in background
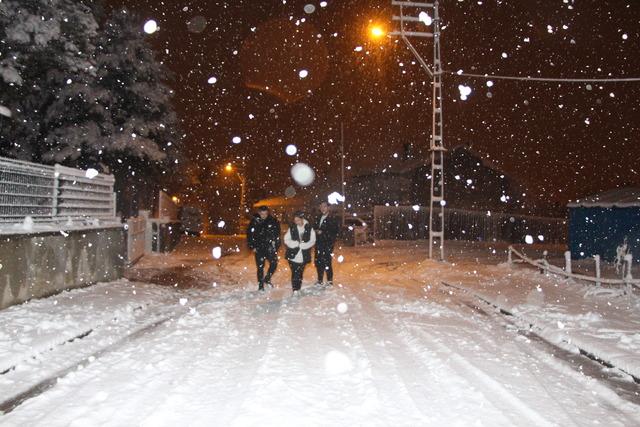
<point>471,183</point>
<point>600,223</point>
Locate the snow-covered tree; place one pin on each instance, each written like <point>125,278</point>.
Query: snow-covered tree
<point>83,94</point>
<point>131,86</point>
<point>140,131</point>
<point>46,63</point>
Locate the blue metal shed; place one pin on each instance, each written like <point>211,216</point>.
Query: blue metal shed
<point>599,224</point>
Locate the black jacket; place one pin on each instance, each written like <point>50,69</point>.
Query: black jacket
<point>264,234</point>
<point>329,228</point>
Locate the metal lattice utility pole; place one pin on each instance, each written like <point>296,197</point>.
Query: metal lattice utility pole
<point>412,27</point>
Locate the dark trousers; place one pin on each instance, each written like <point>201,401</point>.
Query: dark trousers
<point>261,258</point>
<point>323,263</point>
<point>296,275</point>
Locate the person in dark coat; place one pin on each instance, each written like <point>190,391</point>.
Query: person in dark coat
<point>327,228</point>
<point>263,238</point>
<point>299,240</point>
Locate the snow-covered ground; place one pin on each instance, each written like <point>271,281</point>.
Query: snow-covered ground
<point>387,345</point>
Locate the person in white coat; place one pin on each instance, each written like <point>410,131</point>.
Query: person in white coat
<point>299,240</point>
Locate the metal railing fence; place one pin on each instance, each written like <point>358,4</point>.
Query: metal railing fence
<point>48,193</point>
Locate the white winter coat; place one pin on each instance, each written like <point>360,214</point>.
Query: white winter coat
<point>290,243</point>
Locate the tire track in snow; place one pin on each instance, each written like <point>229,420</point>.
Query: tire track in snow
<point>293,387</point>
<point>488,384</point>
<point>391,382</point>
<point>403,378</point>
<point>625,411</point>
<point>445,354</point>
<point>419,331</point>
<point>121,356</point>
<point>440,383</point>
<point>225,362</point>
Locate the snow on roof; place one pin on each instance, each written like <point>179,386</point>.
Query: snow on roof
<point>619,198</point>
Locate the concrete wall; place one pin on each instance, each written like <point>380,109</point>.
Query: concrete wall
<point>39,264</point>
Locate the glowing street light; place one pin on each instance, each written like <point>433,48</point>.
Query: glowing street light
<point>376,32</point>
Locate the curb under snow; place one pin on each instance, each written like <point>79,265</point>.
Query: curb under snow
<point>595,349</point>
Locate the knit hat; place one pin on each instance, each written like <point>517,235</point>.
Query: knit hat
<point>299,214</point>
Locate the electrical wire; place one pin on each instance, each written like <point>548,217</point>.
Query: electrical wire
<point>546,79</point>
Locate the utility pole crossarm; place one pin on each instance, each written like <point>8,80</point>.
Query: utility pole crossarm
<point>412,4</point>
<point>411,34</point>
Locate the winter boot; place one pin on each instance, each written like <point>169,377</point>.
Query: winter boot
<point>261,286</point>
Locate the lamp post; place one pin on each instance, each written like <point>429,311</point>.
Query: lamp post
<point>344,201</point>
<point>229,168</point>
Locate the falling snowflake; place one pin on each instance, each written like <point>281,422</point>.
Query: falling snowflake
<point>465,91</point>
<point>150,26</point>
<point>335,198</point>
<point>425,18</point>
<point>291,150</point>
<point>302,174</point>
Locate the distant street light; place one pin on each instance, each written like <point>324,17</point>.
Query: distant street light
<point>229,168</point>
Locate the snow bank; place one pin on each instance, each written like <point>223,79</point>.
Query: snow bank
<point>605,326</point>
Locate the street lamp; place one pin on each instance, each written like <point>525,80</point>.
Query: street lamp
<point>229,168</point>
<point>376,31</point>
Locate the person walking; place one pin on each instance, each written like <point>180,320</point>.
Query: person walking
<point>263,238</point>
<point>299,240</point>
<point>327,228</point>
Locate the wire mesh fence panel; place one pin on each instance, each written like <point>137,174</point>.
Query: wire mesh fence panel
<point>136,239</point>
<point>26,189</point>
<point>412,223</point>
<point>47,193</point>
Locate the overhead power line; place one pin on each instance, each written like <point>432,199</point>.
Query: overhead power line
<point>546,79</point>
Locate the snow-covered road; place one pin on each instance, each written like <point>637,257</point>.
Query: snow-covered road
<point>403,353</point>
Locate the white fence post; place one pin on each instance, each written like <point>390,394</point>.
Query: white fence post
<point>597,259</point>
<point>567,262</point>
<point>628,262</point>
<point>545,267</point>
<point>510,256</point>
<point>545,263</point>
